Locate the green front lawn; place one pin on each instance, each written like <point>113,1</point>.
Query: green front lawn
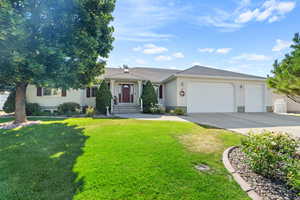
<point>105,159</point>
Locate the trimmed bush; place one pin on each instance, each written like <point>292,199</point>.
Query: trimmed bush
<point>149,97</point>
<point>33,109</point>
<point>69,108</point>
<point>9,105</point>
<point>273,155</point>
<point>179,111</point>
<point>103,98</point>
<point>90,111</point>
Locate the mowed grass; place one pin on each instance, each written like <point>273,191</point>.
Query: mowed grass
<point>115,159</point>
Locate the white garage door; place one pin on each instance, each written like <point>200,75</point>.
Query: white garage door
<point>254,98</point>
<point>210,97</point>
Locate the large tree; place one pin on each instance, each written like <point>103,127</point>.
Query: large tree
<point>286,73</point>
<point>52,44</point>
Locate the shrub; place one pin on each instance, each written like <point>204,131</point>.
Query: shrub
<point>273,155</point>
<point>149,97</point>
<point>293,175</point>
<point>9,105</point>
<point>69,108</point>
<point>33,109</point>
<point>179,111</point>
<point>90,111</point>
<point>103,98</point>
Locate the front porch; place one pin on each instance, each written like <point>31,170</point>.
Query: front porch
<point>126,96</point>
<point>126,92</point>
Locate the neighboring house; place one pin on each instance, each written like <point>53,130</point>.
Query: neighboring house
<point>196,90</point>
<point>283,104</point>
<point>3,97</point>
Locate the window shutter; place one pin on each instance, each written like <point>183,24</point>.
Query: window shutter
<point>63,92</point>
<point>88,92</point>
<point>39,91</point>
<point>161,92</point>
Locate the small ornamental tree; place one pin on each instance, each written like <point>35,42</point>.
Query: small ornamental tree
<point>103,98</point>
<point>286,73</point>
<point>52,44</point>
<point>149,97</point>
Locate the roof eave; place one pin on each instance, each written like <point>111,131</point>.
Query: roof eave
<point>212,77</point>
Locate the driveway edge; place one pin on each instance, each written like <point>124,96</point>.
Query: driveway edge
<point>237,177</point>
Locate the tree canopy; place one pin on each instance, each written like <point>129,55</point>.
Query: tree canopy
<point>286,73</point>
<point>53,43</point>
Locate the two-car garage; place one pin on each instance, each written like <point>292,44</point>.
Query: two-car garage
<point>210,97</point>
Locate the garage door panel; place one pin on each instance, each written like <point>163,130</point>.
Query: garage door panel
<point>210,97</point>
<point>254,98</point>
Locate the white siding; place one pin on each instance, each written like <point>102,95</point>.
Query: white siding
<point>54,101</point>
<point>3,98</point>
<point>170,93</point>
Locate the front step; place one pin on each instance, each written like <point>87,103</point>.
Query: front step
<point>124,109</point>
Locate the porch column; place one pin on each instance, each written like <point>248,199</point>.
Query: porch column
<point>140,85</point>
<point>112,87</point>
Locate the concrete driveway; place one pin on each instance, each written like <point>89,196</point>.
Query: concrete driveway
<point>246,122</point>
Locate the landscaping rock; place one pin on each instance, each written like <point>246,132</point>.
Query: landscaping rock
<point>268,189</point>
<point>11,125</point>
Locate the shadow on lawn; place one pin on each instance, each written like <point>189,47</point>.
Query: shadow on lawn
<point>37,162</point>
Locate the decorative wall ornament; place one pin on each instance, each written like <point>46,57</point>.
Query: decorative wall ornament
<point>182,93</point>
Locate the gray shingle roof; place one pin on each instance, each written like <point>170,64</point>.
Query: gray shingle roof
<point>207,71</point>
<point>159,74</point>
<point>139,73</point>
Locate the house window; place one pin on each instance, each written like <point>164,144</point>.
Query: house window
<point>91,92</point>
<point>46,91</point>
<point>50,92</point>
<point>94,92</point>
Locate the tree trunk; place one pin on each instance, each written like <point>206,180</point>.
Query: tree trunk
<point>20,112</point>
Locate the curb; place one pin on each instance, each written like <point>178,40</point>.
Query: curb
<point>236,176</point>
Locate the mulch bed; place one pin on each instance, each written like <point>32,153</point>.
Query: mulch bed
<point>268,189</point>
<point>11,125</point>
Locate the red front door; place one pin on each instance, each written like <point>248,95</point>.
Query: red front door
<point>126,93</point>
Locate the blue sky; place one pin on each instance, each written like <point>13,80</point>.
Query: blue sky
<point>238,35</point>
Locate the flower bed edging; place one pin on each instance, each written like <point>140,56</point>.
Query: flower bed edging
<point>237,177</point>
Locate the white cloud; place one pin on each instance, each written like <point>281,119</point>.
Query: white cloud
<point>139,20</point>
<point>206,50</point>
<point>223,50</point>
<point>226,21</point>
<point>271,10</point>
<point>281,45</point>
<point>140,61</point>
<point>137,49</point>
<point>212,50</point>
<point>178,55</point>
<point>163,58</point>
<point>251,57</point>
<point>247,16</point>
<point>196,63</point>
<point>153,49</point>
